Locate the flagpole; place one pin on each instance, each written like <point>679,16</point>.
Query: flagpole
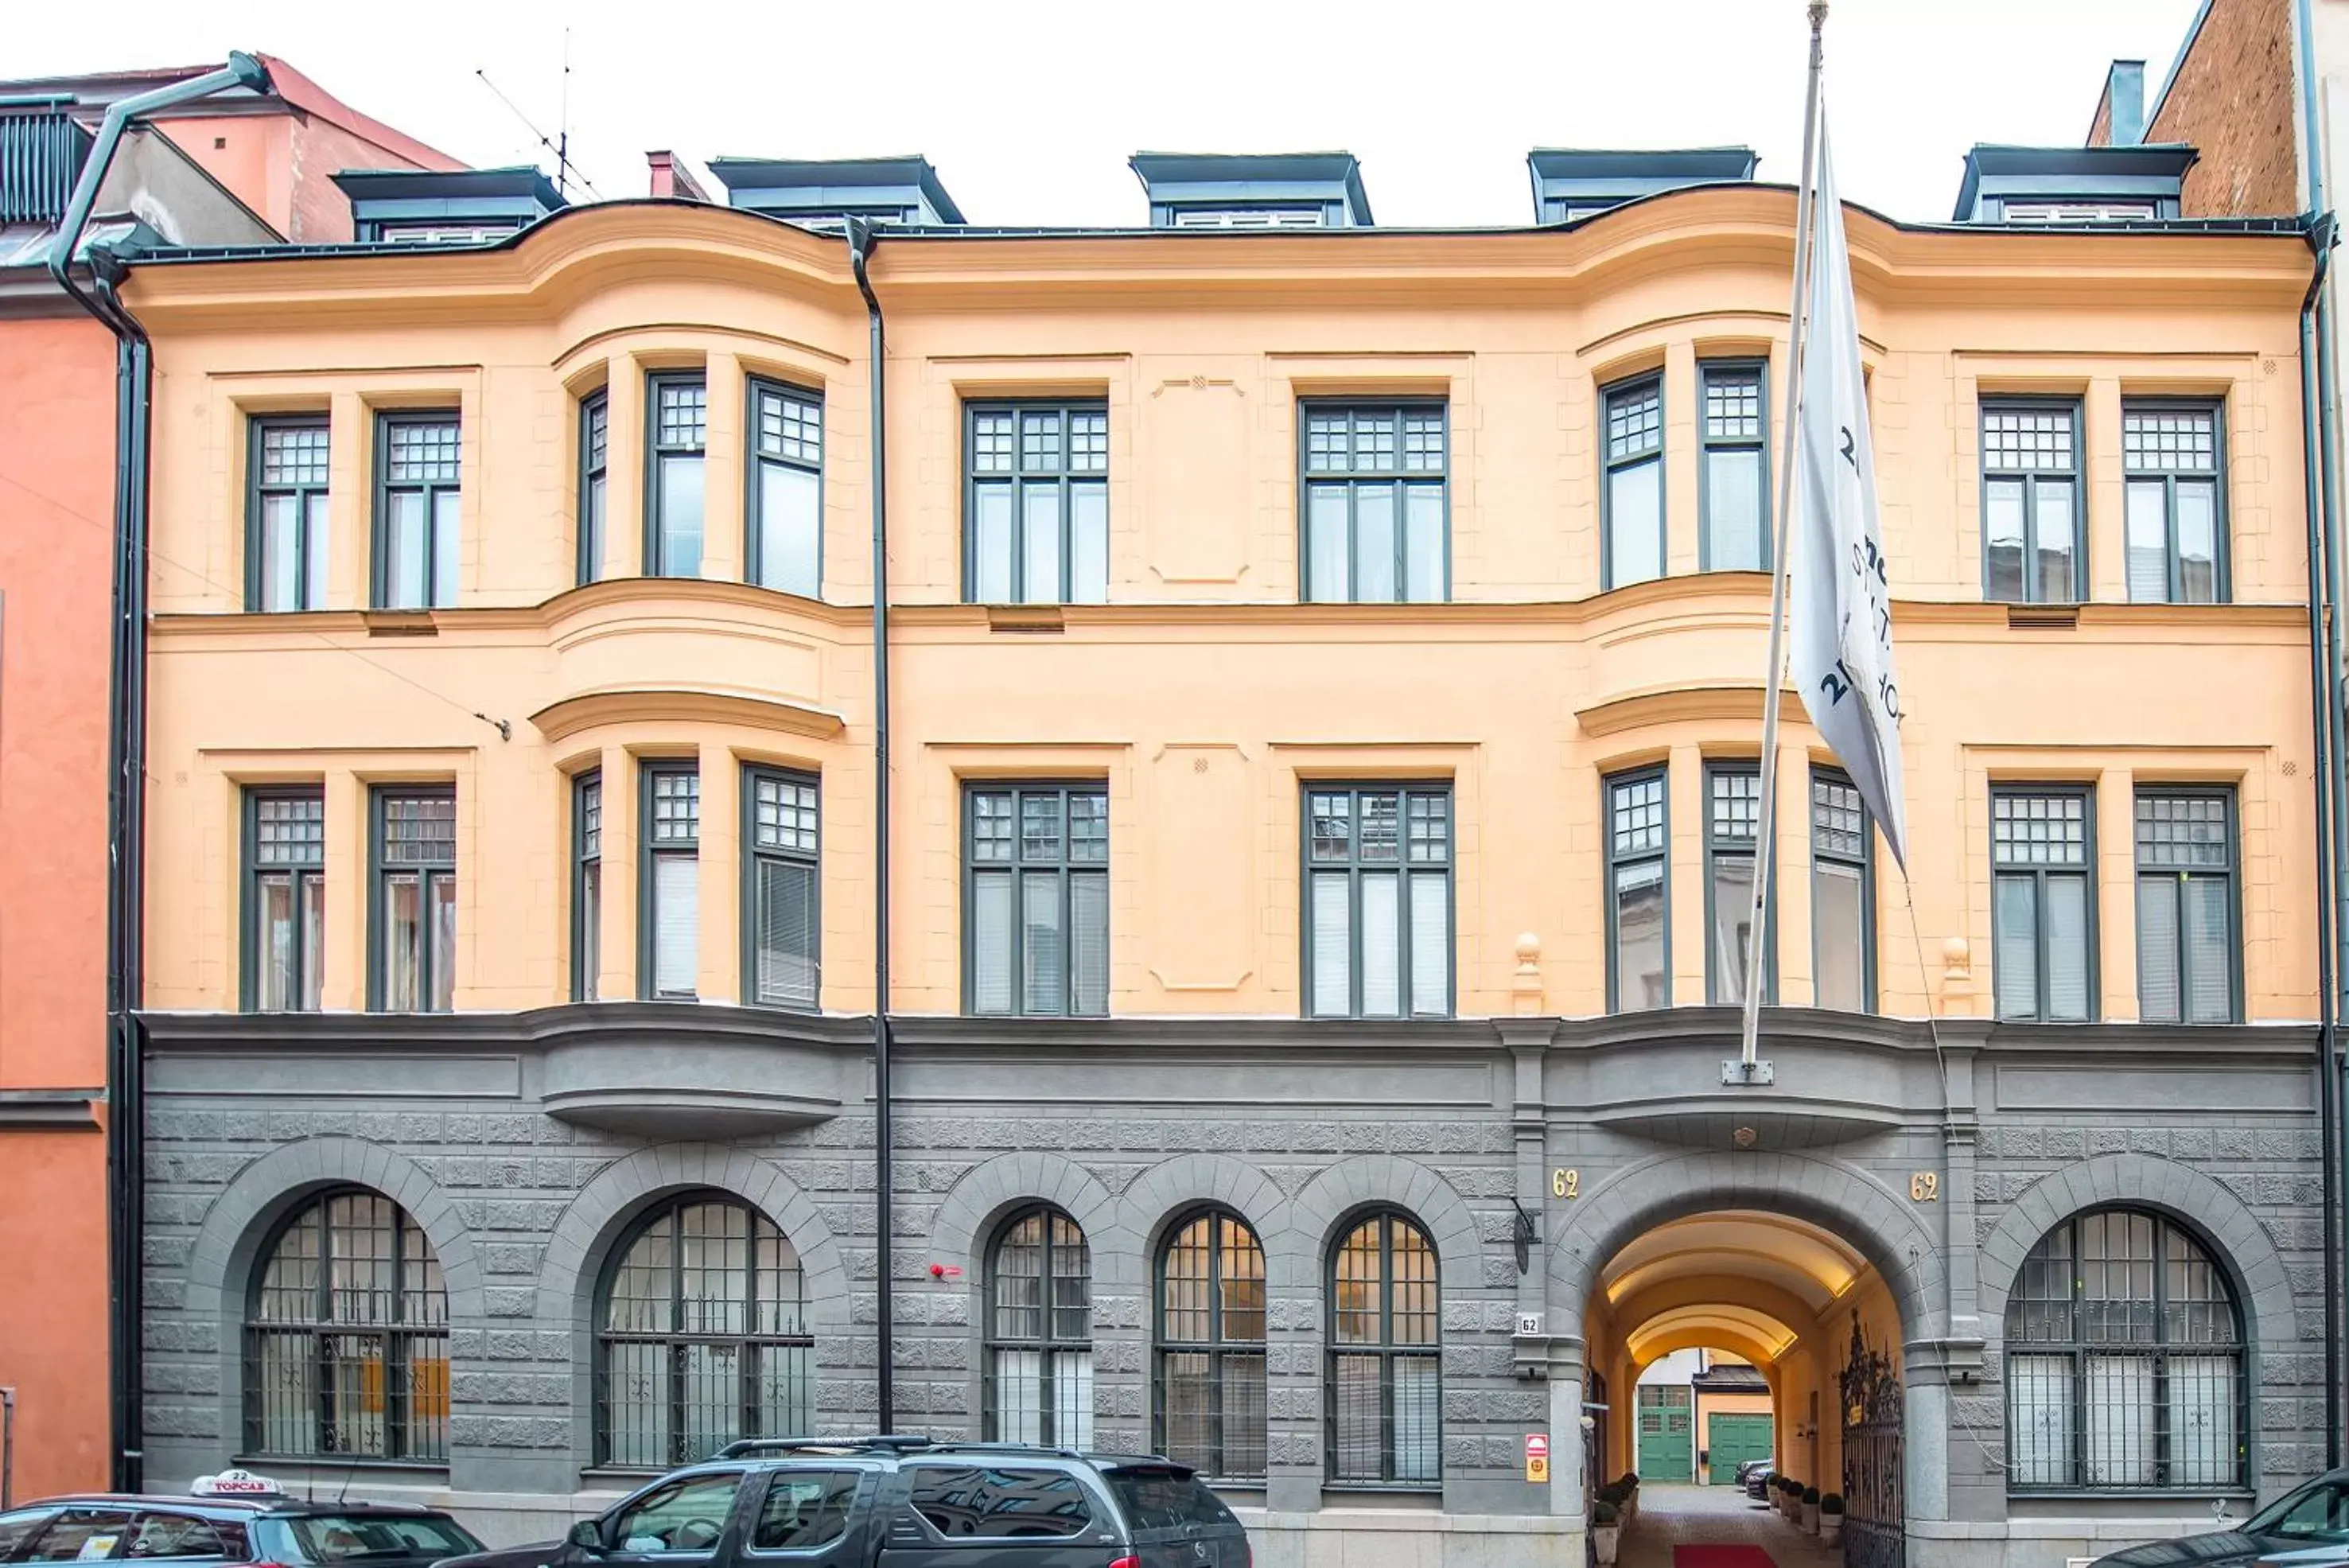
<point>1806,194</point>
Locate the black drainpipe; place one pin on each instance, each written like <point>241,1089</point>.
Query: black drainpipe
<point>861,237</point>
<point>126,796</point>
<point>2319,240</point>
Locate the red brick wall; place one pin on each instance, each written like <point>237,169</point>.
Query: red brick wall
<point>2232,99</point>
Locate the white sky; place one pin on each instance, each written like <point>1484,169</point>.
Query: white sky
<point>1030,108</point>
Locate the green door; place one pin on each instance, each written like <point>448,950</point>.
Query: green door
<point>1735,1440</point>
<point>1666,1448</point>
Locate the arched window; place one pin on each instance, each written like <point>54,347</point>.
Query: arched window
<point>2124,1360</point>
<point>701,1335</point>
<point>346,1335</point>
<point>1385,1397</point>
<point>1039,1333</point>
<point>1210,1384</point>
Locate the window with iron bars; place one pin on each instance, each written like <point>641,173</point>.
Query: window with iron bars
<point>1039,1333</point>
<point>1385,1393</point>
<point>1209,1403</point>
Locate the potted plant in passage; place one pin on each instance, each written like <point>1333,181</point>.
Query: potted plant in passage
<point>1628,1485</point>
<point>1790,1497</point>
<point>1831,1518</point>
<point>1606,1529</point>
<point>1811,1508</point>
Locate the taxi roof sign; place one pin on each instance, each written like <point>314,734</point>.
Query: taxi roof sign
<point>233,1483</point>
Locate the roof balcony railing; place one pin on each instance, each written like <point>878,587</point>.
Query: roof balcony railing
<point>41,152</point>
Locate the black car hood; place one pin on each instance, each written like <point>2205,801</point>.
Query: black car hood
<point>2218,1547</point>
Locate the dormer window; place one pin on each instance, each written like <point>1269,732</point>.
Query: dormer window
<point>824,193</point>
<point>1247,218</point>
<point>1571,184</point>
<point>442,234</point>
<point>1253,191</point>
<point>2077,212</point>
<point>457,207</point>
<point>2065,185</point>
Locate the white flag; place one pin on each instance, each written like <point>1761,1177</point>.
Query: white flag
<point>1842,620</point>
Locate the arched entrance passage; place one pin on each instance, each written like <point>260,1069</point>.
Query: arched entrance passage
<point>1787,1261</point>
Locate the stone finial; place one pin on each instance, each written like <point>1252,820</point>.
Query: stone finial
<point>1526,984</point>
<point>1956,960</point>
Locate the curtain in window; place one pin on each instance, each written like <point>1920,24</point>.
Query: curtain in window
<point>2039,1419</point>
<point>2120,1435</point>
<point>677,924</point>
<point>786,936</point>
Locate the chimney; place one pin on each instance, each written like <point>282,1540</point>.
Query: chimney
<point>2124,102</point>
<point>672,178</point>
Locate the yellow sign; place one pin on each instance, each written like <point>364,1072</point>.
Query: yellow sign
<point>1537,1457</point>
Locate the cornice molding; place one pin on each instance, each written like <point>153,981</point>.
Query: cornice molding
<point>558,722</point>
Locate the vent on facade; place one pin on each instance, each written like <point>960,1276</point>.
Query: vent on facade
<point>400,623</point>
<point>41,153</point>
<point>1030,620</point>
<point>2042,617</point>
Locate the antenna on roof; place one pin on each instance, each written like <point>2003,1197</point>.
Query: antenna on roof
<point>565,171</point>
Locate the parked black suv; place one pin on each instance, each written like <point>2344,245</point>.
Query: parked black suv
<point>903,1502</point>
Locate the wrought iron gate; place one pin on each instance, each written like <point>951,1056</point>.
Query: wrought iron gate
<point>1875,1493</point>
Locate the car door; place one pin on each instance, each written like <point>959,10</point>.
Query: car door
<point>680,1523</point>
<point>82,1534</point>
<point>1001,1515</point>
<point>809,1517</point>
<point>183,1540</point>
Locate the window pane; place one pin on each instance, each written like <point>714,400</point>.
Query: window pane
<point>1635,526</point>
<point>1836,906</point>
<point>2014,916</point>
<point>1430,944</point>
<point>403,549</point>
<point>1374,543</point>
<point>2119,1410</point>
<point>2209,951</point>
<point>2148,541</point>
<point>281,580</point>
<point>680,515</point>
<point>1088,543</point>
<point>991,547</point>
<point>1639,935</point>
<point>677,924</point>
<point>2203,1438</point>
<point>1044,979</point>
<point>593,546</point>
<point>2198,542</point>
<point>2067,949</point>
<point>1382,947</point>
<point>2039,1418</point>
<point>444,547</point>
<point>2002,539</point>
<point>403,956</point>
<point>276,942</point>
<point>1041,547</point>
<point>1732,502</point>
<point>786,933</point>
<point>1733,920</point>
<point>443,891</point>
<point>313,547</point>
<point>1088,941</point>
<point>591,928</point>
<point>1424,545</point>
<point>2156,948</point>
<point>2052,515</point>
<point>312,894</point>
<point>1328,579</point>
<point>1418,1423</point>
<point>990,942</point>
<point>788,529</point>
<point>1332,944</point>
<point>1358,1418</point>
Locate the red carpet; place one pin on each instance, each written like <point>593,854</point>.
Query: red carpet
<point>1720,1557</point>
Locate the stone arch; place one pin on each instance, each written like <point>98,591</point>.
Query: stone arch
<point>228,1244</point>
<point>1831,1195</point>
<point>1386,1181</point>
<point>1642,1307</point>
<point>2240,1243</point>
<point>964,1222</point>
<point>1175,1188</point>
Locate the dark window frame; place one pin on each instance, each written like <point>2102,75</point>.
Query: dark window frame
<point>757,461</point>
<point>1402,868</point>
<point>595,495</point>
<point>1625,389</point>
<point>249,958</point>
<point>1017,868</point>
<point>587,935</point>
<point>749,1345</point>
<point>1387,1349</point>
<point>398,1343</point>
<point>1218,1347</point>
<point>1865,864</point>
<point>2031,479</point>
<point>649,771</point>
<point>2222,587</point>
<point>2233,874</point>
<point>1049,1345</point>
<point>379,925</point>
<point>1065,476</point>
<point>2080,1347</point>
<point>379,553</point>
<point>1661,775</point>
<point>655,557</point>
<point>1708,443</point>
<point>1716,847</point>
<point>753,857</point>
<point>1354,480</point>
<point>258,492</point>
<point>2088,874</point>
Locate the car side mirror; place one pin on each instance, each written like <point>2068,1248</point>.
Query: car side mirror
<point>588,1536</point>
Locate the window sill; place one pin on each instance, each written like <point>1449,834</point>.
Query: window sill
<point>1337,1492</point>
<point>339,1463</point>
<point>2231,1492</point>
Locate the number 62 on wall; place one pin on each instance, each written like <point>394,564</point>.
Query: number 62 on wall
<point>1565,1183</point>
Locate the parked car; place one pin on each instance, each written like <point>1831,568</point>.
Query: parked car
<point>2303,1523</point>
<point>903,1502</point>
<point>235,1517</point>
<point>1757,1481</point>
<point>1745,1469</point>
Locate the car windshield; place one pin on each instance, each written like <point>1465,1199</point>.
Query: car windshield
<point>1166,1502</point>
<point>345,1538</point>
<point>2317,1513</point>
